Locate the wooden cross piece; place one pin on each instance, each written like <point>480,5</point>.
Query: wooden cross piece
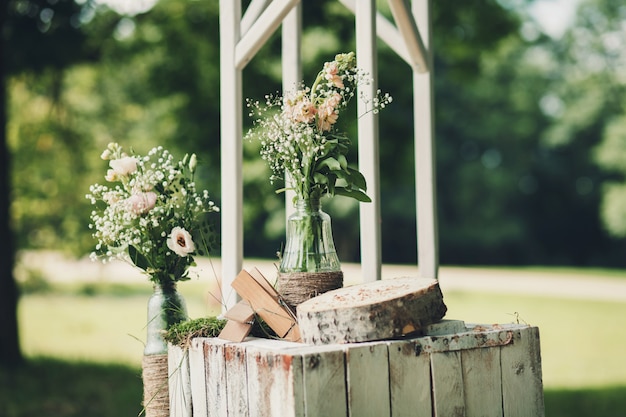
<point>258,298</point>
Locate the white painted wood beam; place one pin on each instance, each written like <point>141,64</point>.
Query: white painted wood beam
<point>292,70</point>
<point>261,30</point>
<point>411,35</point>
<point>425,178</point>
<point>387,32</point>
<point>370,217</point>
<point>231,151</point>
<point>254,10</point>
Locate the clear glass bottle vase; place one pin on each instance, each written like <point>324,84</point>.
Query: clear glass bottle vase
<point>309,243</point>
<point>166,307</point>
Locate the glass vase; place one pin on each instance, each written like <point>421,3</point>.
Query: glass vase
<point>165,307</point>
<point>309,265</point>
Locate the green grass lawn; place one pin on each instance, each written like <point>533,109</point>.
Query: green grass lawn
<point>93,339</point>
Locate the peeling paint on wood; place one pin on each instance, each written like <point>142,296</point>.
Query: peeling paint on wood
<point>179,383</point>
<point>484,370</point>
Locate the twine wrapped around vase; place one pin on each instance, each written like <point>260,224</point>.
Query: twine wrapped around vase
<point>297,287</point>
<point>156,400</point>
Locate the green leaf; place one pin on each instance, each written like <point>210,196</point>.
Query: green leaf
<point>138,258</point>
<point>356,194</point>
<point>331,163</point>
<point>343,161</point>
<point>320,178</point>
<point>357,179</point>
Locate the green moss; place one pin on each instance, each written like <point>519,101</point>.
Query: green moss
<point>181,333</point>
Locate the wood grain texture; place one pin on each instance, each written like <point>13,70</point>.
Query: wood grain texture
<point>447,380</point>
<point>482,382</point>
<point>275,382</point>
<point>483,371</point>
<point>409,380</point>
<point>236,380</point>
<point>522,386</point>
<point>216,388</point>
<point>367,366</point>
<point>324,382</point>
<point>197,376</point>
<point>178,383</point>
<point>372,311</point>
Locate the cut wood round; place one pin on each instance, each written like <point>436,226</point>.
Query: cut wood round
<point>379,310</point>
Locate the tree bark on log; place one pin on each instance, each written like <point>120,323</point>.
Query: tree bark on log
<point>379,310</point>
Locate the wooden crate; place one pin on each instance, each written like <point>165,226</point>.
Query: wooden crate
<point>455,370</point>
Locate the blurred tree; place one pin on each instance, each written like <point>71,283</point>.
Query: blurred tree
<point>10,353</point>
<point>39,39</point>
<point>46,39</point>
<point>586,104</point>
<point>593,103</point>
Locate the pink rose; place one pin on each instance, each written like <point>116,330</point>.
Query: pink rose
<point>180,242</point>
<point>141,203</point>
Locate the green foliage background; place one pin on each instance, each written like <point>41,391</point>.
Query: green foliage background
<point>530,131</point>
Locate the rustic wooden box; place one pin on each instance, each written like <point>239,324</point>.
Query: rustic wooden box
<point>455,370</point>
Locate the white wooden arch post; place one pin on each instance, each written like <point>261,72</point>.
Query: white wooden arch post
<point>243,36</point>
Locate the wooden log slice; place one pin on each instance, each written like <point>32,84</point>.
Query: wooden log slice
<point>378,310</point>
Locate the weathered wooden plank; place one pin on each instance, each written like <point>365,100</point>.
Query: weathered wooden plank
<point>445,327</point>
<point>216,387</point>
<point>197,377</point>
<point>472,339</point>
<point>409,380</point>
<point>447,377</point>
<point>367,366</point>
<point>179,383</point>
<point>522,387</point>
<point>482,382</point>
<point>274,382</point>
<point>324,381</point>
<point>236,375</point>
<point>466,373</point>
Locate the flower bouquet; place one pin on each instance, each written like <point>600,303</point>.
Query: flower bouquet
<point>151,216</point>
<point>303,146</point>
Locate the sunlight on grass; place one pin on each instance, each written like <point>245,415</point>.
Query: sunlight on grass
<point>100,328</point>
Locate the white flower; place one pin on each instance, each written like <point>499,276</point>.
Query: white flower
<point>180,242</point>
<point>124,166</point>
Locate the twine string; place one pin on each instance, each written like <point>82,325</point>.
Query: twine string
<point>297,287</point>
<point>156,400</point>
